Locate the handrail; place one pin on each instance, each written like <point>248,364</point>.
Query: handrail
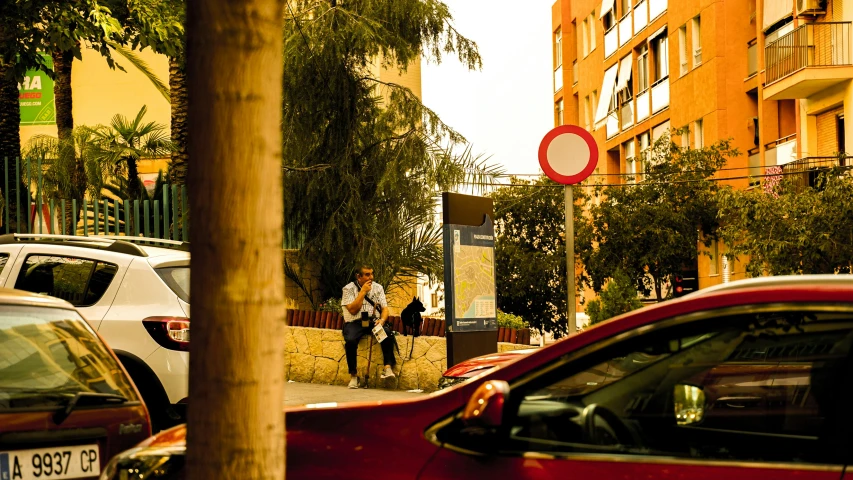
<point>819,44</point>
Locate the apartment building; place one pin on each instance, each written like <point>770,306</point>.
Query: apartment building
<point>772,75</point>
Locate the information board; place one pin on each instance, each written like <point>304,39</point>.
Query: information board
<point>470,260</point>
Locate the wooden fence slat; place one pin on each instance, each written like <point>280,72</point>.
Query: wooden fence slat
<point>288,317</point>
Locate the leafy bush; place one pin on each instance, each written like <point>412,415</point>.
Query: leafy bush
<point>508,320</point>
<point>618,297</point>
<point>331,305</point>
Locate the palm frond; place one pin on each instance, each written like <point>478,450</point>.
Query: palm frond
<point>143,68</point>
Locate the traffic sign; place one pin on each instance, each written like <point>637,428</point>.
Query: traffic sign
<point>568,154</point>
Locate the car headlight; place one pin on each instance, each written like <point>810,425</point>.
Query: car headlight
<point>447,382</point>
<point>165,463</point>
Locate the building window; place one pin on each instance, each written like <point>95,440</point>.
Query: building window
<point>592,31</point>
<point>558,47</point>
<point>682,49</point>
<point>608,21</point>
<point>585,36</point>
<point>586,113</point>
<point>685,137</point>
<point>593,101</point>
<point>631,160</point>
<point>660,45</point>
<point>697,43</point>
<point>625,7</point>
<point>645,144</point>
<point>699,134</point>
<point>643,69</point>
<point>559,111</point>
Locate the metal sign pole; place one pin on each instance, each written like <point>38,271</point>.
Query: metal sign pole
<point>570,256</point>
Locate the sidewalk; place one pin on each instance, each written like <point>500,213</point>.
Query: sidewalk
<point>303,393</point>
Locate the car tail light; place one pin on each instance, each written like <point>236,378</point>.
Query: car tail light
<point>169,332</point>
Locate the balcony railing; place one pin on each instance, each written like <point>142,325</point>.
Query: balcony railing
<point>811,45</point>
<point>611,41</point>
<point>643,105</point>
<point>626,29</point>
<point>660,95</point>
<point>805,172</point>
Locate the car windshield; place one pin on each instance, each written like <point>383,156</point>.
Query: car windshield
<point>178,279</point>
<point>49,354</point>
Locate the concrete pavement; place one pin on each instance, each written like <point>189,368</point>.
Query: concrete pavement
<point>296,393</point>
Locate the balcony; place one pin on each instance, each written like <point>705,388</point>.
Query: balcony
<point>781,152</point>
<point>626,114</point>
<point>612,123</point>
<point>660,95</point>
<point>626,32</point>
<point>641,15</point>
<point>611,41</point>
<point>643,105</point>
<point>656,8</point>
<point>805,172</point>
<point>807,60</point>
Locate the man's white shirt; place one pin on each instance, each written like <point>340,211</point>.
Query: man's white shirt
<point>376,294</point>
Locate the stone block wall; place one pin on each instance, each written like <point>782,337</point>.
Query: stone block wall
<point>315,355</point>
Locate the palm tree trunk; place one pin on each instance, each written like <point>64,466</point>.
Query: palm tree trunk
<point>134,186</point>
<point>62,63</point>
<point>10,147</point>
<point>236,371</point>
<point>178,94</point>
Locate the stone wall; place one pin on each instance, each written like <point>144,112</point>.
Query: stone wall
<point>316,355</point>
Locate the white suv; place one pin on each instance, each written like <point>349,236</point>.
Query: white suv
<point>133,290</point>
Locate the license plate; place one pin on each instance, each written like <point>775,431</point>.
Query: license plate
<point>51,463</point>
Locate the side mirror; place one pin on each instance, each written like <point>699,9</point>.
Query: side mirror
<point>689,402</point>
<point>486,406</point>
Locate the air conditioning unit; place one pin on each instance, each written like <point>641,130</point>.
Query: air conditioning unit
<point>811,7</point>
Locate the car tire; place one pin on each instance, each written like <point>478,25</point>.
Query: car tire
<point>160,410</point>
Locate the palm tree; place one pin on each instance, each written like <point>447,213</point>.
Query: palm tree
<point>124,142</point>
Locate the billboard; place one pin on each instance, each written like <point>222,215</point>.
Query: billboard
<point>36,97</point>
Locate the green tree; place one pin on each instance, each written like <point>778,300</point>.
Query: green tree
<point>530,252</point>
<point>27,29</point>
<point>159,24</point>
<point>617,297</point>
<point>121,144</point>
<point>364,159</point>
<point>794,231</point>
<point>652,229</point>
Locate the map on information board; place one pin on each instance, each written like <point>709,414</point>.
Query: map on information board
<point>472,262</point>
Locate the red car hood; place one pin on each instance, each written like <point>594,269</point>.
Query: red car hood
<point>478,365</point>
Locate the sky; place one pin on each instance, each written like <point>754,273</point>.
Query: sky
<point>504,109</point>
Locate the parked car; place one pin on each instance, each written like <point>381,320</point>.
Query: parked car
<point>134,292</point>
<point>640,396</point>
<point>468,369</point>
<point>66,404</point>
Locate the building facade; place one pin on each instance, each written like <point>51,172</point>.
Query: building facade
<point>774,76</point>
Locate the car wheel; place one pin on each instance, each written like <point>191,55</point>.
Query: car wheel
<point>160,410</point>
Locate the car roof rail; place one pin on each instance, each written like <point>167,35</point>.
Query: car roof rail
<point>152,242</point>
<point>97,242</point>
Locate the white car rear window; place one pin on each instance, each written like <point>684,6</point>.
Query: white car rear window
<point>178,279</point>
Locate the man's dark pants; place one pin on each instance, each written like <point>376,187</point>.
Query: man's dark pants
<point>353,331</point>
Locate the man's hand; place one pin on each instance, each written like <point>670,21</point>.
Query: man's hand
<point>365,289</point>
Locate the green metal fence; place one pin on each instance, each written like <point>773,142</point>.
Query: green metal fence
<point>164,217</point>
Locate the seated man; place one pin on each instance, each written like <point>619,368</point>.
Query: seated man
<point>364,300</point>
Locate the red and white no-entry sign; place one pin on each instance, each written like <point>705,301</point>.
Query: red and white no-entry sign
<point>568,154</point>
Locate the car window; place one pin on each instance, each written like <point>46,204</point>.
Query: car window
<point>178,279</point>
<point>4,259</point>
<point>47,354</point>
<point>768,387</point>
<point>81,282</point>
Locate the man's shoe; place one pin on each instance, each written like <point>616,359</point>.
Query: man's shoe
<point>353,383</point>
<point>388,373</point>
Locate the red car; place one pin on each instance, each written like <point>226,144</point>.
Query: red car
<point>66,404</point>
<point>665,392</point>
<point>464,371</point>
